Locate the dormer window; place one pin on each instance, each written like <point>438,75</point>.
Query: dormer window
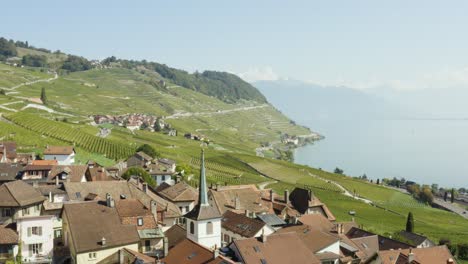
<point>140,221</point>
<point>63,176</point>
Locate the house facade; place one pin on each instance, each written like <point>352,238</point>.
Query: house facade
<point>19,199</point>
<point>64,155</point>
<point>37,238</point>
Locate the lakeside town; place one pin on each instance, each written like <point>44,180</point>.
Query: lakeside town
<point>56,211</point>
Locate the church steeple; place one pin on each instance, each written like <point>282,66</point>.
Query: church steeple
<point>203,195</point>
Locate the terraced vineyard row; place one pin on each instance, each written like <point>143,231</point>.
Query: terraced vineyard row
<point>220,173</point>
<point>73,135</point>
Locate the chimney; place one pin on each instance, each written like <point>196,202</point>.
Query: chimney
<point>177,179</point>
<point>271,195</point>
<point>57,180</point>
<point>109,201</point>
<point>50,197</point>
<point>311,195</point>
<point>215,252</point>
<point>35,184</point>
<point>410,256</point>
<point>154,210</point>
<point>247,212</point>
<point>145,187</point>
<point>450,261</point>
<point>166,246</point>
<point>237,203</point>
<point>263,237</point>
<point>340,229</point>
<point>103,241</point>
<point>286,196</point>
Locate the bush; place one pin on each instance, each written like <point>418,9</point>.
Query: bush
<point>148,150</point>
<point>34,60</point>
<point>463,251</point>
<point>136,171</point>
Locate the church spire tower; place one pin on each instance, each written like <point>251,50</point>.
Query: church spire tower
<point>204,221</point>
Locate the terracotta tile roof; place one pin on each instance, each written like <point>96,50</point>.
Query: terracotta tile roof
<point>137,257</point>
<point>314,239</point>
<point>161,187</point>
<point>188,252</point>
<point>241,224</point>
<point>131,208</point>
<point>89,222</point>
<point>369,245</point>
<point>385,243</point>
<point>438,254</point>
<point>59,150</point>
<point>166,161</point>
<point>18,194</point>
<point>8,236</point>
<point>317,221</point>
<point>98,174</point>
<point>221,260</point>
<point>249,197</point>
<point>10,171</point>
<point>45,189</point>
<point>175,235</point>
<point>303,199</point>
<point>31,167</point>
<point>143,156</point>
<point>278,249</point>
<point>75,172</point>
<point>180,192</point>
<point>44,162</point>
<point>10,147</point>
<point>78,191</point>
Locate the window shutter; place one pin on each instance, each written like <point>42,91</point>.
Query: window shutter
<point>29,231</point>
<point>40,230</point>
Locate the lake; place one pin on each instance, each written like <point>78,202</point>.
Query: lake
<point>425,151</point>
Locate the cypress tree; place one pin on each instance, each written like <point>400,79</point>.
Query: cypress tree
<point>452,198</point>
<point>43,96</point>
<point>445,196</point>
<point>410,223</point>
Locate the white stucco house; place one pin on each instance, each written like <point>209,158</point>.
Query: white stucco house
<point>64,155</point>
<point>36,236</point>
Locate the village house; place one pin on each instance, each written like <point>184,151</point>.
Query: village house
<point>133,212</point>
<point>10,172</point>
<point>437,254</point>
<point>96,173</point>
<point>273,249</point>
<point>305,202</point>
<point>93,232</point>
<point>64,155</point>
<point>417,240</point>
<point>175,235</point>
<point>161,173</point>
<point>8,244</point>
<point>8,152</point>
<point>55,197</point>
<point>38,170</point>
<point>139,159</point>
<point>182,195</point>
<point>168,213</point>
<point>190,252</point>
<point>19,199</point>
<point>37,238</point>
<point>238,226</point>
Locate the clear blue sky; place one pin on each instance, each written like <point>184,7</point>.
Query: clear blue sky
<point>350,42</point>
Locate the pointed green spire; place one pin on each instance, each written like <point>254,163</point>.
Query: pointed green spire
<point>203,195</point>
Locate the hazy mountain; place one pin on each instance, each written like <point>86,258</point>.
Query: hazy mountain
<point>305,101</point>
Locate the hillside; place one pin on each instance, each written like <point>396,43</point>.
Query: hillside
<point>235,128</point>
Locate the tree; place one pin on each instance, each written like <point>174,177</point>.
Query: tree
<point>364,177</point>
<point>338,171</point>
<point>410,223</point>
<point>75,63</point>
<point>34,60</point>
<point>157,125</point>
<point>445,196</point>
<point>148,150</point>
<point>185,168</point>
<point>463,251</point>
<point>452,197</point>
<point>435,188</point>
<point>7,48</point>
<point>378,182</point>
<point>43,96</point>
<point>426,195</point>
<point>140,172</point>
